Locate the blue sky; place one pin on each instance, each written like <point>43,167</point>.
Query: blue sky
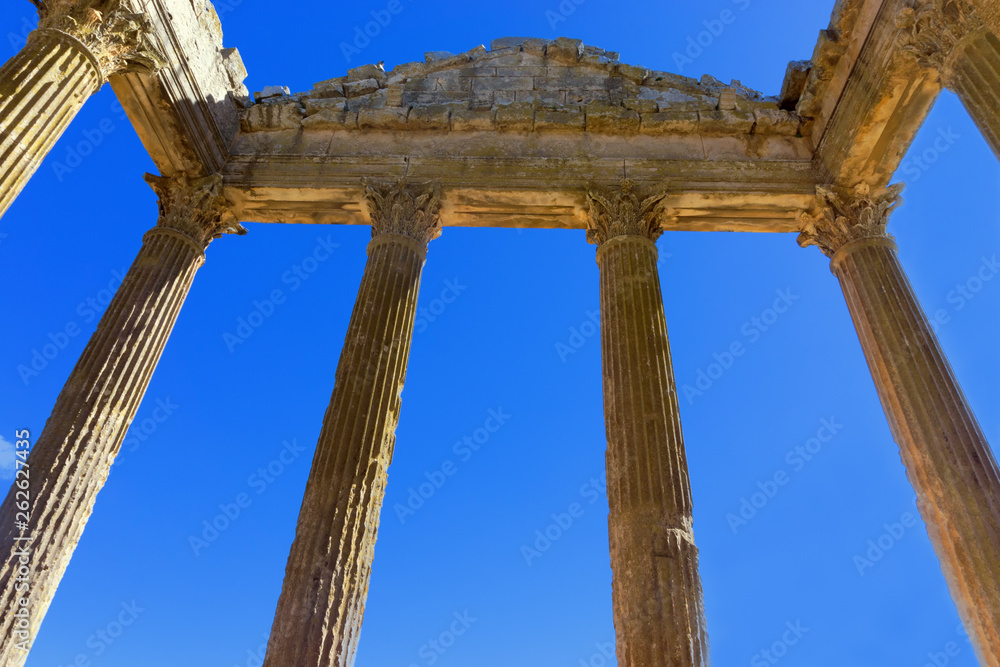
<point>496,347</point>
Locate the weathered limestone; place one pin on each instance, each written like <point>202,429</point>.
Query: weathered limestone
<point>322,602</point>
<point>948,36</point>
<point>515,134</point>
<point>67,59</point>
<point>524,85</point>
<point>947,458</point>
<point>71,458</point>
<point>658,607</point>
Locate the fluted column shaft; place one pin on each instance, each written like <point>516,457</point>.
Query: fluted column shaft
<point>70,460</point>
<point>947,458</point>
<point>42,89</point>
<point>657,594</point>
<point>321,607</point>
<point>77,45</point>
<point>957,38</point>
<point>975,78</point>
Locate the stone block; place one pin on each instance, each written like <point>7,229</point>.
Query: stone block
<point>394,96</point>
<point>274,91</point>
<point>235,69</point>
<point>374,100</point>
<point>794,83</point>
<point>621,89</point>
<point>565,50</point>
<point>559,121</point>
<point>405,71</point>
<point>389,118</point>
<point>437,56</point>
<point>324,90</point>
<point>725,122</point>
<point>363,87</point>
<point>478,71</point>
<point>671,97</point>
<point>535,46</point>
<point>505,58</point>
<point>507,43</point>
<point>481,100</point>
<point>503,83</point>
<point>376,72</point>
<point>710,82</point>
<point>585,97</point>
<point>593,54</point>
<point>632,73</point>
<point>727,100</point>
<point>611,120</point>
<point>439,81</point>
<point>270,93</point>
<point>572,83</point>
<point>516,117</point>
<point>450,62</point>
<point>642,106</point>
<point>415,98</point>
<point>542,98</point>
<point>471,120</point>
<point>330,119</point>
<point>668,80</point>
<point>680,121</point>
<point>501,97</point>
<point>429,117</point>
<point>775,121</point>
<point>270,117</point>
<point>477,52</point>
<point>324,103</point>
<point>528,70</point>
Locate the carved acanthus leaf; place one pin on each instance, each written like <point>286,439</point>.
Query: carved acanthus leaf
<point>933,28</point>
<point>849,216</point>
<point>195,207</point>
<point>408,209</point>
<point>117,37</point>
<point>622,211</point>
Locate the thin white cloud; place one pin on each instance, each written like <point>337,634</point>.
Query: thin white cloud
<point>6,459</point>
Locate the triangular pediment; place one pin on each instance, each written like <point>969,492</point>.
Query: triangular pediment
<point>523,85</point>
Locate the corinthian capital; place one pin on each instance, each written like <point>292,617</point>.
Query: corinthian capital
<point>194,208</point>
<point>932,29</point>
<point>622,211</point>
<point>116,37</point>
<point>407,209</point>
<point>850,216</point>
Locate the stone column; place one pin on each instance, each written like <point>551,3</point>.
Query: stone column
<point>78,43</point>
<point>949,36</point>
<point>947,458</point>
<point>658,606</point>
<point>322,602</point>
<point>71,457</point>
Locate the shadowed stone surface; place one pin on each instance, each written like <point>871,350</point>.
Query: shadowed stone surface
<point>949,36</point>
<point>948,460</point>
<point>658,603</point>
<point>71,458</point>
<point>322,602</point>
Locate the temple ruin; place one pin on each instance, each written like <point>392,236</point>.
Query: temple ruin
<point>528,133</point>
